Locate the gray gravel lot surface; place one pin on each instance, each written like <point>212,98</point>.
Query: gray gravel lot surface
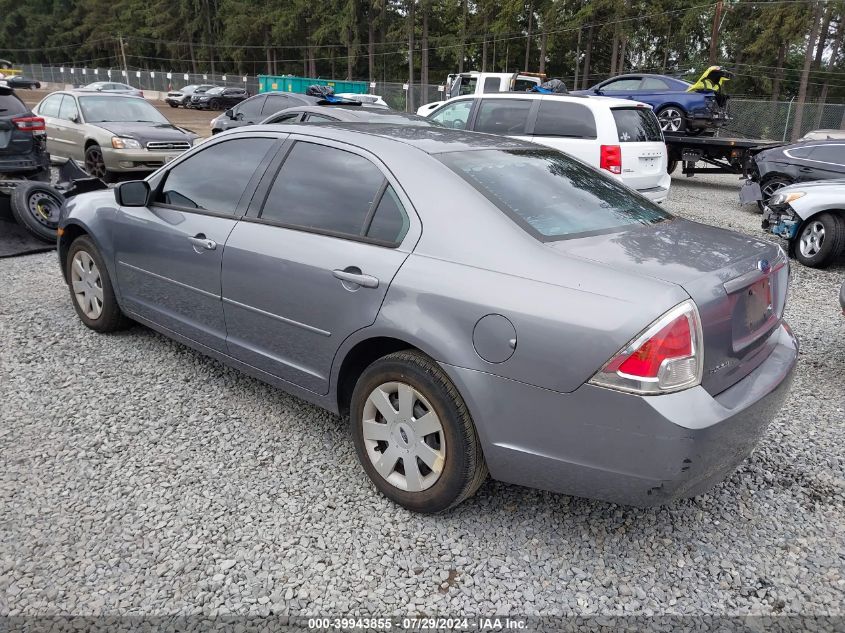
<point>139,477</point>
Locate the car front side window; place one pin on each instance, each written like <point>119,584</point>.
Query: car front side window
<point>215,178</point>
<point>455,115</point>
<point>621,85</point>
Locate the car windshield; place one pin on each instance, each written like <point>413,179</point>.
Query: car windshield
<point>124,109</point>
<point>215,91</point>
<point>551,195</point>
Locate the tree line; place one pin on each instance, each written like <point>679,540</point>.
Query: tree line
<point>777,49</point>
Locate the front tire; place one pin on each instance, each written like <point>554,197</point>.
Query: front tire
<point>95,163</point>
<point>91,291</point>
<point>768,187</point>
<point>214,104</point>
<point>820,240</point>
<point>414,435</point>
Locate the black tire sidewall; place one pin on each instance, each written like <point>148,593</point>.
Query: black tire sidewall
<point>448,489</point>
<point>110,317</point>
<point>20,208</point>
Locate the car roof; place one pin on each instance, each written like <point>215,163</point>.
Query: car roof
<point>610,102</point>
<point>429,139</point>
<point>81,92</point>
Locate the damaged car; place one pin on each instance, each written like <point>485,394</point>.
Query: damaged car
<point>811,216</point>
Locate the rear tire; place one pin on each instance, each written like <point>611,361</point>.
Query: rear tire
<point>672,119</point>
<point>820,240</point>
<point>36,206</point>
<point>91,291</point>
<point>425,454</point>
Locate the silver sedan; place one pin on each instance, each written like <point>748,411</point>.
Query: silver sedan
<point>471,303</point>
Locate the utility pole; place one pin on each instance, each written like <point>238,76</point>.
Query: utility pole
<point>123,56</point>
<point>714,35</point>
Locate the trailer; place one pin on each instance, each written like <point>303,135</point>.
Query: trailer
<point>722,155</point>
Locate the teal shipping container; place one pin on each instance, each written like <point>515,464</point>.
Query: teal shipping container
<point>270,83</point>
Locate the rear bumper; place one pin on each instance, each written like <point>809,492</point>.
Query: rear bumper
<point>655,194</point>
<point>136,159</point>
<point>29,164</point>
<point>176,100</point>
<point>618,447</point>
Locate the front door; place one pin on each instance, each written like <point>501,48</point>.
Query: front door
<point>168,255</point>
<point>312,264</point>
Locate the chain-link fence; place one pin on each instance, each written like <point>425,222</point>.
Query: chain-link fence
<point>775,120</point>
<point>750,118</point>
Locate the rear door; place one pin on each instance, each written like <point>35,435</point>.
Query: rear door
<point>643,147</point>
<point>312,261</point>
<point>168,255</point>
<point>569,127</point>
<point>48,109</point>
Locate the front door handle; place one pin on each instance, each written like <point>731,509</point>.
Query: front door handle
<point>355,276</point>
<point>201,241</point>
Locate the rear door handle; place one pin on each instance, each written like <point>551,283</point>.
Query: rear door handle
<point>201,241</point>
<point>367,281</point>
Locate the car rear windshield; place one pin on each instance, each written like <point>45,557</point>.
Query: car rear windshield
<point>637,125</point>
<point>551,195</point>
<point>10,104</point>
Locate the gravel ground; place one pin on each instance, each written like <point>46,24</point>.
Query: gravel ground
<point>139,477</point>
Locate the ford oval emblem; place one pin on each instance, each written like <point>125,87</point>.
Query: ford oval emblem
<point>764,266</point>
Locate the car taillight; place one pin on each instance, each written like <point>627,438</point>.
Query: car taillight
<point>611,158</point>
<point>30,124</point>
<point>667,356</point>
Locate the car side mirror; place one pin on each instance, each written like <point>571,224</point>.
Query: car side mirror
<point>230,113</point>
<point>75,119</point>
<point>134,193</point>
<point>599,92</point>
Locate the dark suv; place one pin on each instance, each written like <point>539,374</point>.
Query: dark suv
<point>23,139</point>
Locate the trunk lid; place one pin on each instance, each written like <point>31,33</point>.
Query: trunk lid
<point>739,284</point>
<point>643,147</point>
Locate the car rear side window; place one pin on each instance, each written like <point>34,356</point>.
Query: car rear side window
<point>50,106</point>
<point>324,189</point>
<point>562,118</point>
<point>215,178</point>
<point>550,195</point>
<point>10,104</point>
<point>829,154</point>
<point>637,125</point>
<point>503,116</point>
<point>390,222</point>
<point>523,85</point>
<point>454,115</point>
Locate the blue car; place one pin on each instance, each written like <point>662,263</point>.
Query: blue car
<point>678,108</point>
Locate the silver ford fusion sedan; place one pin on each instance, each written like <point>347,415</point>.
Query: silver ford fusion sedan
<point>472,303</point>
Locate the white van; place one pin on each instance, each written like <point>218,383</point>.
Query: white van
<point>619,136</point>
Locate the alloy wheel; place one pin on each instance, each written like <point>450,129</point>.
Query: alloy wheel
<point>404,437</point>
<point>770,187</point>
<point>87,284</point>
<point>811,240</point>
<point>671,119</point>
<point>94,162</point>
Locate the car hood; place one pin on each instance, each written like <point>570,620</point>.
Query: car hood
<point>834,184</point>
<point>146,132</point>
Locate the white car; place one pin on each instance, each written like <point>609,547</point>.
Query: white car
<point>619,136</point>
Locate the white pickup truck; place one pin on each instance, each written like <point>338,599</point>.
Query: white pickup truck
<point>476,83</point>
